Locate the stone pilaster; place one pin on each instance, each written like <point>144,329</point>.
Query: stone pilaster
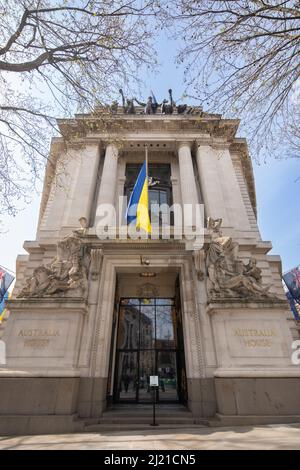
<point>72,191</point>
<point>233,199</point>
<point>189,195</point>
<point>211,188</point>
<point>81,197</point>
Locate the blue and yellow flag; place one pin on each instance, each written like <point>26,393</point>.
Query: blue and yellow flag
<point>5,281</point>
<point>137,209</point>
<point>3,305</point>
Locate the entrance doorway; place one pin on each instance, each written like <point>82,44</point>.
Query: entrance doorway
<point>149,342</point>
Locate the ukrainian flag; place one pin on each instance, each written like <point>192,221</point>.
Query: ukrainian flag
<point>2,305</point>
<point>137,209</point>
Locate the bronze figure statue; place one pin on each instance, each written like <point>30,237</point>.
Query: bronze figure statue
<point>128,106</point>
<point>167,107</point>
<point>151,106</point>
<point>114,107</point>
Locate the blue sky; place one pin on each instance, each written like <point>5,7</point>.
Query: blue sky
<point>277,187</point>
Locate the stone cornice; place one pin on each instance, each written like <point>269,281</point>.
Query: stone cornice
<point>92,241</point>
<point>268,304</point>
<point>85,125</point>
<point>43,305</point>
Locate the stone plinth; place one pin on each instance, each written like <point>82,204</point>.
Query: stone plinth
<point>255,374</point>
<point>40,383</point>
<point>44,334</point>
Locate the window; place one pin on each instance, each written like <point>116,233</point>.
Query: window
<point>160,188</point>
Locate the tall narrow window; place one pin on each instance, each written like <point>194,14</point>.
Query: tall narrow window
<point>160,187</point>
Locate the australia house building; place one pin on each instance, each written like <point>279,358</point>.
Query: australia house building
<point>96,312</point>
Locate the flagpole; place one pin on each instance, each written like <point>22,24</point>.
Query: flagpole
<point>147,179</point>
<point>146,158</point>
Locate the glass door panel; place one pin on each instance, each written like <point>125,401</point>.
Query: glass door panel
<point>148,343</point>
<point>167,372</point>
<point>147,368</point>
<point>127,377</point>
<point>165,327</point>
<point>128,331</point>
<point>147,327</point>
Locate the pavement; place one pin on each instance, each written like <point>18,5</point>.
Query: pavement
<point>279,436</point>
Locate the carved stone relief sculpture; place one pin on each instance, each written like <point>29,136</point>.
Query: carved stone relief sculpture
<point>228,276</point>
<point>65,276</point>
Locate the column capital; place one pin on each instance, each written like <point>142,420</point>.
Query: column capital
<point>184,143</point>
<point>112,148</point>
<point>203,142</point>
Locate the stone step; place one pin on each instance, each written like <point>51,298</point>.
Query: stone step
<point>128,417</point>
<point>146,419</point>
<point>147,406</point>
<point>123,417</point>
<point>136,427</point>
<point>251,420</point>
<point>147,413</point>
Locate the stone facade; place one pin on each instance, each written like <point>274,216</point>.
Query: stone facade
<point>60,336</point>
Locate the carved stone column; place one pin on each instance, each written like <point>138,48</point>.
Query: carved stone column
<point>108,184</point>
<point>189,193</point>
<point>109,176</point>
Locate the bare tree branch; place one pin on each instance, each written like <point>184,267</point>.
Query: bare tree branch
<point>242,58</point>
<point>66,55</point>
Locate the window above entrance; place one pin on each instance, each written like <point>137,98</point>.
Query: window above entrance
<point>160,187</point>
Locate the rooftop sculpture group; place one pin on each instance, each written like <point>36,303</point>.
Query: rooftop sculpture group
<point>151,106</point>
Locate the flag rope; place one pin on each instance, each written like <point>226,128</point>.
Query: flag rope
<point>6,269</point>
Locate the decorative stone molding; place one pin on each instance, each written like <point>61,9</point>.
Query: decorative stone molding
<point>184,143</point>
<point>96,262</point>
<point>145,261</point>
<point>224,304</point>
<point>199,263</point>
<point>147,290</point>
